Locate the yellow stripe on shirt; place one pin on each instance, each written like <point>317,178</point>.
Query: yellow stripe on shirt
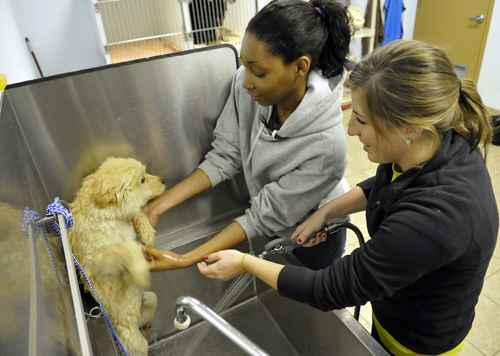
<point>396,171</point>
<point>399,350</point>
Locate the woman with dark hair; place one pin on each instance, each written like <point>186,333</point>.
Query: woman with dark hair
<point>282,126</point>
<point>430,209</point>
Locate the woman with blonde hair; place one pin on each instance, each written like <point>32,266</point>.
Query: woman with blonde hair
<point>430,209</point>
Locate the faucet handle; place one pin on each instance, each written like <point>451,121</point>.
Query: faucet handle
<point>182,324</point>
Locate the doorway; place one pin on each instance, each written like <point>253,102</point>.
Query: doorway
<point>460,27</point>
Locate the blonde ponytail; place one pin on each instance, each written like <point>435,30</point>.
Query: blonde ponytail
<point>473,122</point>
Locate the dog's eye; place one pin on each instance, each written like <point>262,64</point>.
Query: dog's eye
<point>143,180</point>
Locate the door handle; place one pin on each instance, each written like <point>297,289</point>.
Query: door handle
<point>478,18</point>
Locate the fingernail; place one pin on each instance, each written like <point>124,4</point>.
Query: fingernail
<point>299,241</point>
<point>206,257</point>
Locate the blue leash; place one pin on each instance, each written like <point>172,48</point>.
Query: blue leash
<point>28,217</point>
<point>56,208</point>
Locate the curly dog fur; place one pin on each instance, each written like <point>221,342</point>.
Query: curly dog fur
<point>103,240</point>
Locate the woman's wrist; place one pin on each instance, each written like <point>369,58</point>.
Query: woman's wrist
<point>324,215</point>
<point>242,262</point>
<point>178,260</point>
<point>154,214</point>
<point>159,205</point>
<point>190,258</point>
<point>186,261</point>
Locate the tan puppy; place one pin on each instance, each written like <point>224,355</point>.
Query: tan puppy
<point>103,240</point>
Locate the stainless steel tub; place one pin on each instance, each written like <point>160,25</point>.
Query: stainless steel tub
<point>162,111</point>
<point>278,325</point>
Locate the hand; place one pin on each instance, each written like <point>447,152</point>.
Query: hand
<point>227,265</point>
<point>152,214</point>
<point>314,223</point>
<point>161,260</point>
<point>319,238</point>
<point>150,210</point>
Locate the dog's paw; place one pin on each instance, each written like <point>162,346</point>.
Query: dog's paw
<point>148,237</point>
<point>145,231</point>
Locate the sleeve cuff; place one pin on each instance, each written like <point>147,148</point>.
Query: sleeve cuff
<point>211,172</point>
<point>247,227</point>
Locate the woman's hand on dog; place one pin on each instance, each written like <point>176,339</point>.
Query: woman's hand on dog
<point>150,210</point>
<point>161,260</point>
<point>153,219</point>
<point>152,214</point>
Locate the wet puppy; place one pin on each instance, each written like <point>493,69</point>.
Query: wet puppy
<point>103,240</point>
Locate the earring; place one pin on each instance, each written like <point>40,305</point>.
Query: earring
<point>409,141</point>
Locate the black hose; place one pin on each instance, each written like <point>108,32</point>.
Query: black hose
<point>361,241</point>
<point>354,228</point>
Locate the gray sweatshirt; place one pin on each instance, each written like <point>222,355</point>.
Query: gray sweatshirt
<point>289,176</point>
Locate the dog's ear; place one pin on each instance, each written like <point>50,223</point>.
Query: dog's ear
<point>110,183</point>
<point>106,197</point>
<point>103,192</point>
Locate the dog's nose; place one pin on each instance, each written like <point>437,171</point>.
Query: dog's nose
<point>162,181</point>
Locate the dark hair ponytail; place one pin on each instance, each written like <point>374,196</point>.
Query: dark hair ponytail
<point>339,27</point>
<point>294,28</point>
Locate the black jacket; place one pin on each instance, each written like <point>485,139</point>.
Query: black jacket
<point>433,232</point>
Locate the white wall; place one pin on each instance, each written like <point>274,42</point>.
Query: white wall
<point>61,33</point>
<point>489,77</point>
<point>262,3</point>
<point>15,60</point>
<point>408,18</point>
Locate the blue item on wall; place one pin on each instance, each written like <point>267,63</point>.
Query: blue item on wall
<point>393,26</point>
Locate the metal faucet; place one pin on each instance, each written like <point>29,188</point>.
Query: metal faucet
<point>182,322</point>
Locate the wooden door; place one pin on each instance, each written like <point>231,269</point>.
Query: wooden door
<point>446,23</point>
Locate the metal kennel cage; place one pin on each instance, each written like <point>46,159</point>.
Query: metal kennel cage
<point>133,29</point>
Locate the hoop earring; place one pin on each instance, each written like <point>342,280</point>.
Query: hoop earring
<point>409,141</point>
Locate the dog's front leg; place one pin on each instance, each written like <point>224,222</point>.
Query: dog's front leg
<point>113,260</point>
<point>146,232</point>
